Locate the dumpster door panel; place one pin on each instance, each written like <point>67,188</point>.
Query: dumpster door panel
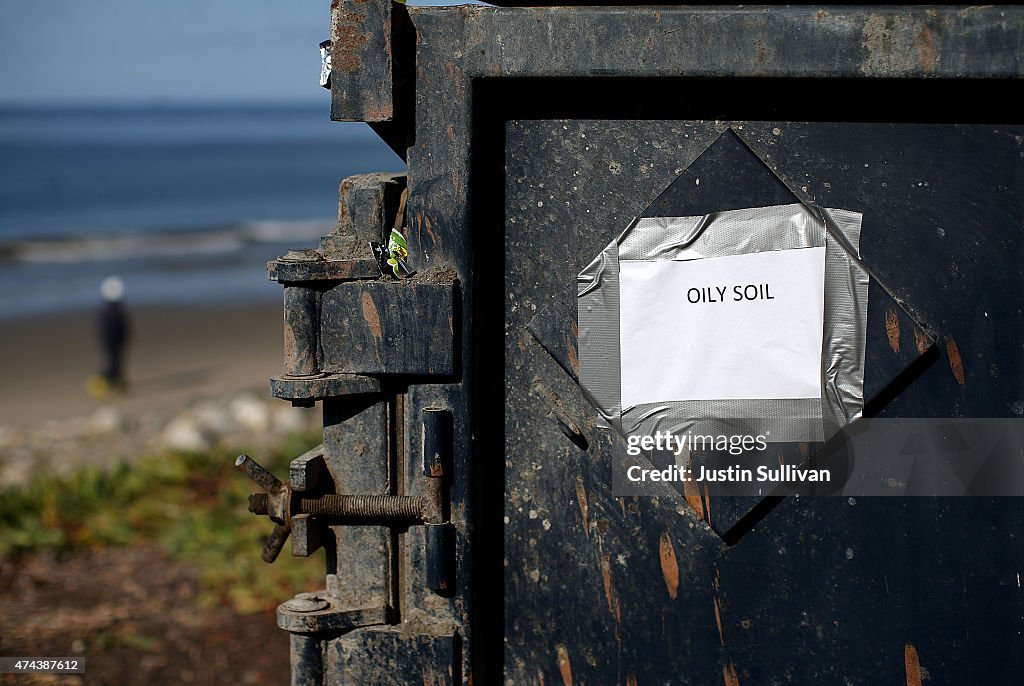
<point>537,135</point>
<point>863,590</point>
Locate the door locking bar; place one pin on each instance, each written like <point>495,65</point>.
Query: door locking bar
<point>282,504</point>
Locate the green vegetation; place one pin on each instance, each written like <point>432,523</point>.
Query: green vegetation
<point>192,505</point>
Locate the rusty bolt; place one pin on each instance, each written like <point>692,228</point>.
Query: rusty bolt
<point>381,507</point>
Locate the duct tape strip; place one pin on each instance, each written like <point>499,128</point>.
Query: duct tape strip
<point>730,233</point>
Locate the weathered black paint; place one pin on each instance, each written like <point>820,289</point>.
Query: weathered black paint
<point>437,442</point>
<point>325,386</point>
<point>388,327</point>
<point>804,556</point>
<point>307,661</point>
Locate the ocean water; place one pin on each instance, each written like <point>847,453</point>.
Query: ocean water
<point>186,204</point>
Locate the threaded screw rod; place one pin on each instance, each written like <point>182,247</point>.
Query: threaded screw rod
<point>371,507</point>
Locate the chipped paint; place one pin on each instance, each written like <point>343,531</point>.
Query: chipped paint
<point>692,494</point>
<point>718,620</point>
<point>564,666</point>
<point>707,504</point>
<point>892,329</point>
<point>347,39</point>
<point>669,565</point>
<point>606,578</point>
<point>889,46</point>
<point>729,674</point>
<point>371,316</point>
<point>570,350</point>
<point>956,363</point>
<point>581,498</point>
<point>922,341</point>
<point>913,665</point>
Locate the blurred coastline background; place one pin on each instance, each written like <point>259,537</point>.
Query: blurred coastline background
<point>180,200</point>
<point>186,203</point>
<point>179,146</point>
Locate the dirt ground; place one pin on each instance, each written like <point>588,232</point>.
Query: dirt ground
<point>133,614</point>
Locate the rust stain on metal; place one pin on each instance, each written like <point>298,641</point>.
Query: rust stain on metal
<point>921,340</point>
<point>581,498</point>
<point>609,591</point>
<point>381,112</point>
<point>761,53</point>
<point>606,578</point>
<point>692,494</point>
<point>718,620</point>
<point>457,183</point>
<point>926,49</point>
<point>669,565</point>
<point>892,329</point>
<point>564,666</point>
<point>430,229</point>
<point>371,315</point>
<point>729,674</point>
<point>343,204</point>
<point>432,678</point>
<point>570,350</point>
<point>348,39</point>
<point>955,361</point>
<point>707,505</point>
<point>913,665</point>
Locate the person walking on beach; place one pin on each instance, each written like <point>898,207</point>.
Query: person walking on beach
<point>113,335</point>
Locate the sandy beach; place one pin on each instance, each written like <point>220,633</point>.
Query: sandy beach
<point>197,377</point>
<point>176,354</point>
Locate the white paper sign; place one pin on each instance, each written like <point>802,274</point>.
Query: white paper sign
<point>745,326</point>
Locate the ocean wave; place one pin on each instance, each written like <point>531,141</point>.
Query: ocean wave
<point>128,245</point>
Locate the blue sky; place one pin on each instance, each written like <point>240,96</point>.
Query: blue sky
<point>105,51</point>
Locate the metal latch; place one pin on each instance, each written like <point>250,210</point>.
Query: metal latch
<point>286,506</point>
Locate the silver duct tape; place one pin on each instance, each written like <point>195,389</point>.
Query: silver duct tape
<point>844,338</point>
<point>598,319</point>
<point>735,232</point>
<point>721,234</point>
<point>780,421</point>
